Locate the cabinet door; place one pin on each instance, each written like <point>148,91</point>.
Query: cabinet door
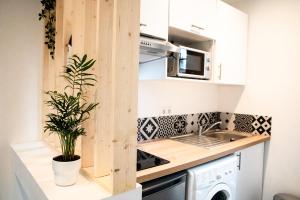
<point>250,173</point>
<point>231,45</point>
<point>180,14</point>
<point>197,16</point>
<point>154,18</point>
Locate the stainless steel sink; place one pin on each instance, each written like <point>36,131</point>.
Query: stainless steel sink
<point>210,139</point>
<point>228,136</point>
<point>203,141</point>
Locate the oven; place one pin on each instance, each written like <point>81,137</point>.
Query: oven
<point>171,187</point>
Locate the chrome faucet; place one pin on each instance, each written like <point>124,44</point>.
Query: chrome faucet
<point>209,128</point>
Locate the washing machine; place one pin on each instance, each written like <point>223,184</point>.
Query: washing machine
<point>215,180</point>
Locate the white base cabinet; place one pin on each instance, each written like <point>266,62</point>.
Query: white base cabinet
<point>250,173</point>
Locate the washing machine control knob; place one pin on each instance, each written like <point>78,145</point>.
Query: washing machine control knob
<point>218,177</point>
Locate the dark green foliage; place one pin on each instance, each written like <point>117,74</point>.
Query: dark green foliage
<point>75,73</point>
<point>70,107</point>
<point>48,14</point>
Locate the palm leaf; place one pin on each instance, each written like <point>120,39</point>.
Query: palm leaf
<point>70,109</point>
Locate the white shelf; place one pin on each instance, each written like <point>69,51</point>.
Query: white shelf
<point>32,165</point>
<point>190,80</point>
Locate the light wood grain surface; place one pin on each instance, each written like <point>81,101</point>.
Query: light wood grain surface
<point>118,53</point>
<point>183,156</point>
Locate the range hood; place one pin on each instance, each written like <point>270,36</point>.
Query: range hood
<point>152,48</point>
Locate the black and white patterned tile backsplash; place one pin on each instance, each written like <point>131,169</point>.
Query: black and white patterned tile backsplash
<point>174,125</point>
<point>254,124</point>
<point>168,126</point>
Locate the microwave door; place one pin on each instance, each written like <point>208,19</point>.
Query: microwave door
<point>191,64</point>
<point>182,61</point>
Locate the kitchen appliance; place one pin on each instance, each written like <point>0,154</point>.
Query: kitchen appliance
<point>171,187</point>
<point>154,48</point>
<point>146,160</point>
<point>215,180</point>
<point>190,63</point>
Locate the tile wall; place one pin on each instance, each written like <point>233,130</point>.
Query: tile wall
<point>168,126</point>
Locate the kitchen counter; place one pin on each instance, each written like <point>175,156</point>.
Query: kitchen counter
<point>183,156</point>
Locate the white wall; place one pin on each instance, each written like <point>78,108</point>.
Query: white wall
<point>20,71</point>
<point>273,86</point>
<point>182,97</point>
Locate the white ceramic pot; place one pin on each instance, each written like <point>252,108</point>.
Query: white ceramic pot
<point>65,173</point>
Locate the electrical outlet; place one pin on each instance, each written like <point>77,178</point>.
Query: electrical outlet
<point>167,110</point>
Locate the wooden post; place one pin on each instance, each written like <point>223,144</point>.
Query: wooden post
<point>90,47</point>
<point>53,68</point>
<point>48,84</point>
<point>63,33</point>
<point>84,29</point>
<point>115,139</point>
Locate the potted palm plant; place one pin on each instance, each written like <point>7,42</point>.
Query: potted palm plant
<point>69,111</point>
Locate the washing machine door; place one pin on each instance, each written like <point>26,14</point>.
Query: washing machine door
<point>220,192</point>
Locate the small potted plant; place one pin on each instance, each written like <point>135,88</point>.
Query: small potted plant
<point>69,111</point>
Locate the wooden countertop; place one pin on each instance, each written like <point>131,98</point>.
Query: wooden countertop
<point>183,156</point>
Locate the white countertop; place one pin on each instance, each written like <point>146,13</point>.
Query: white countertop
<point>32,163</point>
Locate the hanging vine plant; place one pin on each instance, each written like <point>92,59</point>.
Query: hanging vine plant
<point>48,14</point>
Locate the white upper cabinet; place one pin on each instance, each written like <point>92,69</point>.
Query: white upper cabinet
<point>231,45</point>
<point>196,16</point>
<point>154,18</point>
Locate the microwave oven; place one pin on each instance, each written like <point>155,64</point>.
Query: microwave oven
<point>190,63</point>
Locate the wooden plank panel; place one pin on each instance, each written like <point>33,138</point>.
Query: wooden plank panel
<point>90,48</point>
<point>115,149</point>
<point>54,68</point>
<point>126,70</point>
<point>45,87</point>
<point>104,112</point>
<point>63,33</point>
<point>84,42</point>
<point>59,44</point>
<point>49,74</point>
<point>58,56</point>
<point>78,27</point>
<point>67,26</point>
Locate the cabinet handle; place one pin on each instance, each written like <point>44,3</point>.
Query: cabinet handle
<point>240,161</point>
<point>141,24</point>
<point>220,73</point>
<point>198,27</point>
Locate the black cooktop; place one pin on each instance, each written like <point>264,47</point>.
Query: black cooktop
<point>146,160</point>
